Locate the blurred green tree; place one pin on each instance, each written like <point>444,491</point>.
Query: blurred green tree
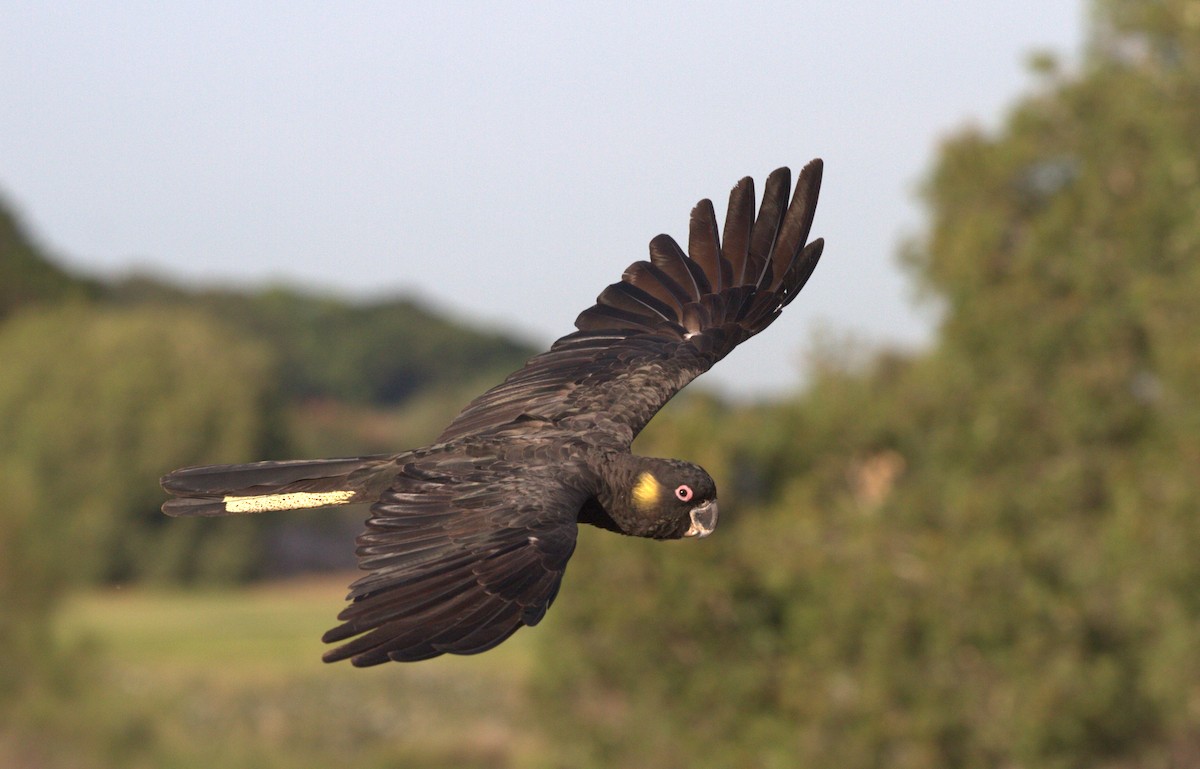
<point>95,404</point>
<point>983,556</point>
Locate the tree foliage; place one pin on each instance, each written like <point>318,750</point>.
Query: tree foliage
<point>982,556</point>
<point>104,401</point>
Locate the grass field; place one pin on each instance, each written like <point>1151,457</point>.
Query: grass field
<point>234,679</point>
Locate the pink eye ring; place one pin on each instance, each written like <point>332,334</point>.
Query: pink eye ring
<point>683,493</point>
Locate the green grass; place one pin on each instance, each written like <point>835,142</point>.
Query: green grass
<point>234,679</point>
<point>262,632</point>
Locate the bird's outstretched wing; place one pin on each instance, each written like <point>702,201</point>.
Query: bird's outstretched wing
<point>463,551</point>
<point>668,320</point>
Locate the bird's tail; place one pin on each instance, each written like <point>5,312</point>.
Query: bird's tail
<point>261,487</point>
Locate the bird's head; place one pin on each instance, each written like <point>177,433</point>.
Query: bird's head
<point>671,499</point>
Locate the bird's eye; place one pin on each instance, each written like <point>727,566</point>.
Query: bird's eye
<point>683,493</point>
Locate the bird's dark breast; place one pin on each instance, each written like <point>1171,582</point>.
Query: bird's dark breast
<point>594,514</point>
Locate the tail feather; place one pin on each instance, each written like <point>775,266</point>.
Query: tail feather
<point>264,486</point>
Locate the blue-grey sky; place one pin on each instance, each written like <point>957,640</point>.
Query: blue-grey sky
<point>504,161</point>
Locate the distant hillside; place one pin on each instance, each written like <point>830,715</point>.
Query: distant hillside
<point>378,352</point>
<point>26,275</point>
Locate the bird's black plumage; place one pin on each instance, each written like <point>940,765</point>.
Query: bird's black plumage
<point>468,538</point>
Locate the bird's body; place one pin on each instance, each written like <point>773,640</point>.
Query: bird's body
<point>468,538</point>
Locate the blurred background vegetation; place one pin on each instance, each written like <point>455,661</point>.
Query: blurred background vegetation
<point>983,554</point>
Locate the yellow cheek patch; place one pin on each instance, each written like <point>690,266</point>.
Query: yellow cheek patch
<point>646,491</point>
<point>296,501</point>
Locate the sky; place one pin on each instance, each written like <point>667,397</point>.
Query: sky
<point>502,162</point>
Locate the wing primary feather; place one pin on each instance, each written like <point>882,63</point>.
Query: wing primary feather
<point>704,245</point>
<point>602,317</point>
<point>654,281</point>
<point>793,234</point>
<point>737,301</point>
<point>451,636</point>
<point>698,276</point>
<point>486,636</point>
<point>626,296</point>
<point>803,268</point>
<point>766,279</point>
<point>666,255</point>
<point>739,219</point>
<point>770,215</point>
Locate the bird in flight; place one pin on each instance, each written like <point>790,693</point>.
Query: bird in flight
<point>468,538</point>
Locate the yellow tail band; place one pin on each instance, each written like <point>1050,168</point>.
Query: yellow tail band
<point>299,500</point>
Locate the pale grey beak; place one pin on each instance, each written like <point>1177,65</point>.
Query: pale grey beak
<point>704,520</point>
